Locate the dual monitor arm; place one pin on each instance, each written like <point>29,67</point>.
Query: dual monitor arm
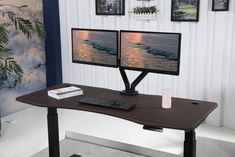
<point>130,88</point>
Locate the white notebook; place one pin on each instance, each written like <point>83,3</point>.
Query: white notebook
<point>65,92</point>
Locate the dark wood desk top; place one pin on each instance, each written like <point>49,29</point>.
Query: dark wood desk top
<point>184,114</point>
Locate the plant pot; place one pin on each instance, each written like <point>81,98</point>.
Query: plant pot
<point>146,16</point>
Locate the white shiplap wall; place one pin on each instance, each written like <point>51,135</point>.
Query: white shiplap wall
<point>207,60</point>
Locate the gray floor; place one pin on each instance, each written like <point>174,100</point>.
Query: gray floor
<point>70,147</point>
<point>205,148</point>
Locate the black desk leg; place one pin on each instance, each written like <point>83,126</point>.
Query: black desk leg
<point>190,144</point>
<point>53,133</point>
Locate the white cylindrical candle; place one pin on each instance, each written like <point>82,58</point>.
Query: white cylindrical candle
<point>166,98</point>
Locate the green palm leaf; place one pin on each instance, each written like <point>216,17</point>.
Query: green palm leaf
<point>4,35</point>
<point>39,27</point>
<point>25,25</point>
<point>22,24</point>
<point>4,53</point>
<point>9,67</point>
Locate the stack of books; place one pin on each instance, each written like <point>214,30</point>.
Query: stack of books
<point>65,92</point>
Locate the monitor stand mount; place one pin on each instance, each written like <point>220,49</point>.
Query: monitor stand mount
<point>130,89</point>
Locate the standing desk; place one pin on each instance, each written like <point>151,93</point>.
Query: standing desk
<point>185,114</point>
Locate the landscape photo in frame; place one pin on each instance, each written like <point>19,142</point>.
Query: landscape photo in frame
<point>185,10</point>
<point>220,5</point>
<point>110,7</point>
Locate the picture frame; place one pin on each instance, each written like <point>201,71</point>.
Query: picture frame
<point>185,11</point>
<point>110,7</point>
<point>220,5</point>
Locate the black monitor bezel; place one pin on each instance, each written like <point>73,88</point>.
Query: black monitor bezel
<point>92,63</point>
<point>152,70</point>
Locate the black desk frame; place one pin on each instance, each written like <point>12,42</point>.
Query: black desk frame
<point>53,133</point>
<point>53,137</point>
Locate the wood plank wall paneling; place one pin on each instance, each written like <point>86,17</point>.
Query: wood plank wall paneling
<point>207,60</point>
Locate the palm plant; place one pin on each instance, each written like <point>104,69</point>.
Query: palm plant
<point>145,10</point>
<point>11,72</point>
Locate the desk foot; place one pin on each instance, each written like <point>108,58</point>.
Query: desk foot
<point>190,144</point>
<point>53,133</point>
<point>74,155</point>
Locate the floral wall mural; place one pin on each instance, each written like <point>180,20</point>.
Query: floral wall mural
<point>22,55</point>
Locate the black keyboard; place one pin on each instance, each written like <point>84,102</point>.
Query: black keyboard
<point>115,104</point>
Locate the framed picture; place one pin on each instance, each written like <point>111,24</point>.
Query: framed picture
<point>220,5</point>
<point>185,10</point>
<point>110,7</point>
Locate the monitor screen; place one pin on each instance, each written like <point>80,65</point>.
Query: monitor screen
<point>96,47</point>
<point>153,51</point>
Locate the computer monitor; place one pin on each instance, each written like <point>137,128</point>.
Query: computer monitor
<point>95,47</point>
<point>157,52</point>
<point>153,51</point>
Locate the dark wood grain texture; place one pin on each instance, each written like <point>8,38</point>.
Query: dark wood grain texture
<point>185,114</point>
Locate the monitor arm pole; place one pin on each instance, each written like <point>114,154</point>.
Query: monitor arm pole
<point>130,89</point>
<point>125,79</point>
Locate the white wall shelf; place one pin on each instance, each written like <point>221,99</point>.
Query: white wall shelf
<point>144,16</point>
